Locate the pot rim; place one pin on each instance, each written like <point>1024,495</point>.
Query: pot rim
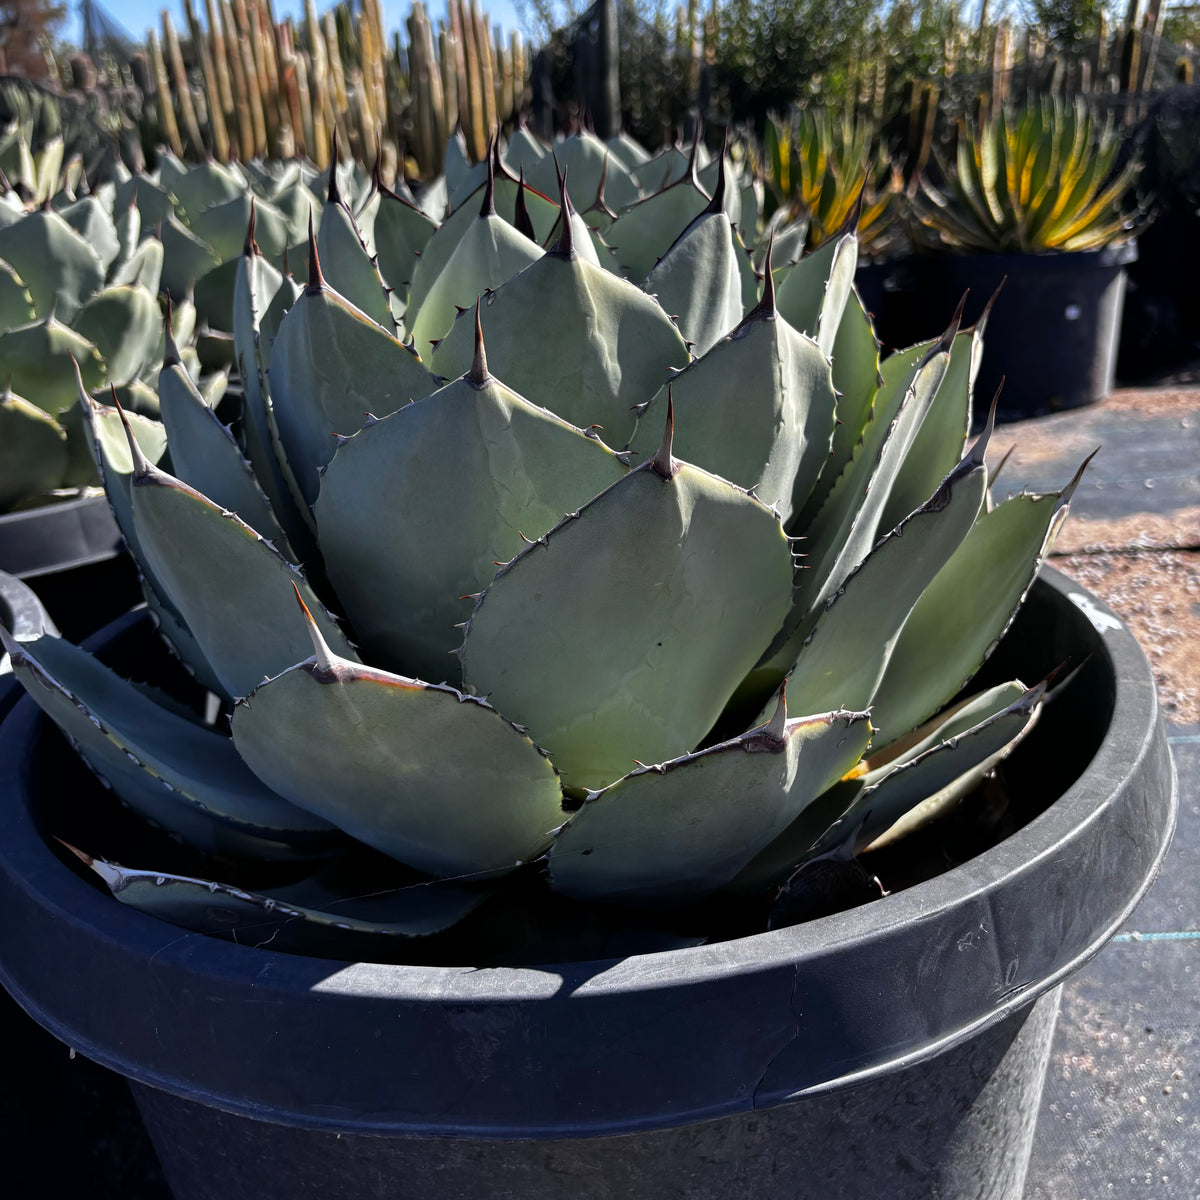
<point>784,990</point>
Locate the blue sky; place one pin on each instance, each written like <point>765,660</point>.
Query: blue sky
<point>139,15</point>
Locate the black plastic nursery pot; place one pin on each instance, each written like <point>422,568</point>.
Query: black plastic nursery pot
<point>1055,328</point>
<point>73,555</point>
<point>894,1050</point>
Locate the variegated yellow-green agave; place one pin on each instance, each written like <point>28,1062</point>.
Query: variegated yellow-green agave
<point>638,580</point>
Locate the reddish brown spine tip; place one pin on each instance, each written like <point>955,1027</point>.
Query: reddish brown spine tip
<point>981,324</point>
<point>250,248</point>
<point>334,158</point>
<point>316,281</point>
<point>979,450</point>
<point>141,465</point>
<point>566,234</point>
<point>662,464</point>
<point>717,203</point>
<point>521,218</point>
<point>478,374</point>
<point>171,356</point>
<point>766,305</point>
<point>488,208</point>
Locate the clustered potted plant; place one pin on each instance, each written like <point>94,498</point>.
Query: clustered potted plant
<point>1038,201</point>
<point>394,900</point>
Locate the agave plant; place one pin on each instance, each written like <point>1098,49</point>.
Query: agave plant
<point>1046,178</point>
<point>563,607</point>
<point>79,283</point>
<point>821,170</point>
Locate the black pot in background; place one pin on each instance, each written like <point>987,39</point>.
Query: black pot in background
<point>73,556</point>
<point>897,1049</point>
<point>1053,332</point>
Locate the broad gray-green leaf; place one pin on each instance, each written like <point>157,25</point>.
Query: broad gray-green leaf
<point>205,456</point>
<point>812,294</point>
<point>54,262</point>
<point>490,253</point>
<point>233,590</point>
<point>92,221</point>
<point>966,609</point>
<point>856,378</point>
<point>128,223</point>
<point>848,524</point>
<point>431,777</point>
<point>331,365</point>
<point>349,268</point>
<point>37,364</point>
<point>841,650</point>
<point>487,467</point>
<point>590,636</point>
<point>183,776</point>
<point>641,235</point>
<point>353,928</point>
<point>893,803</point>
<point>144,267</point>
<point>401,233</point>
<point>186,258</point>
<point>125,325</point>
<point>943,433</point>
<point>757,409</point>
<point>200,185</point>
<point>676,832</point>
<point>613,345</point>
<point>698,281</point>
<point>223,226</point>
<point>16,304</point>
<point>440,246</point>
<point>33,451</point>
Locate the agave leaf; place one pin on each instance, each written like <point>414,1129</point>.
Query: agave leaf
<point>137,397</point>
<point>181,775</point>
<point>223,227</point>
<point>257,289</point>
<point>698,281</point>
<point>186,258</point>
<point>33,451</point>
<point>844,647</point>
<point>213,296</point>
<point>490,253</point>
<point>210,563</point>
<point>16,304</point>
<point>205,456</point>
<point>440,246</point>
<point>939,442</point>
<point>330,366</point>
<point>709,179</point>
<point>641,235</point>
<point>625,150</point>
<point>128,225</point>
<point>856,378</point>
<point>847,526</point>
<point>812,294</point>
<point>124,324</point>
<point>152,202</point>
<point>676,832</point>
<point>966,609</point>
<point>142,268</point>
<point>474,796</point>
<point>523,149</point>
<point>614,345</point>
<point>353,929</point>
<point>589,636</point>
<point>401,233</point>
<point>351,271</point>
<point>926,785</point>
<point>92,221</point>
<point>37,363</point>
<point>49,170</point>
<point>757,409</point>
<point>60,269</point>
<point>201,185</point>
<point>490,467</point>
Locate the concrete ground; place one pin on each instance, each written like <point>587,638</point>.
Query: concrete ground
<point>1120,1116</point>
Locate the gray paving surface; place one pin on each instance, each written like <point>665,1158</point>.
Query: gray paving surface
<point>1120,1115</point>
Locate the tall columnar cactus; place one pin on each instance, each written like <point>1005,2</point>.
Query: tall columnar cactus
<point>564,607</point>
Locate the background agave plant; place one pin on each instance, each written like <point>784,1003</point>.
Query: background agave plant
<point>561,579</point>
<point>1046,178</point>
